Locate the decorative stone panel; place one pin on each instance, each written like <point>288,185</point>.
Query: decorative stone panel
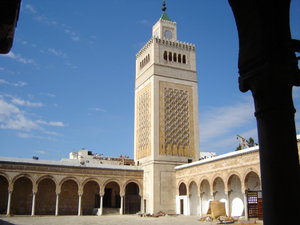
<point>143,122</point>
<point>176,120</point>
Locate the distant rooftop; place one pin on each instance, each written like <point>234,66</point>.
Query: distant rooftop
<point>86,156</point>
<point>224,156</point>
<point>219,157</point>
<point>68,163</point>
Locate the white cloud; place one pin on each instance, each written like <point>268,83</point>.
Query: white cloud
<point>19,84</point>
<point>51,123</point>
<point>219,126</point>
<point>19,58</point>
<point>7,109</point>
<point>51,95</point>
<point>97,109</point>
<point>75,38</point>
<point>30,8</point>
<point>21,102</point>
<point>44,19</point>
<point>223,120</point>
<point>58,53</point>
<point>16,84</point>
<point>25,135</point>
<point>52,133</point>
<point>13,118</point>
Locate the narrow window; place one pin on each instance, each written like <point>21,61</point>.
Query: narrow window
<point>179,58</point>
<point>175,57</point>
<point>165,55</point>
<point>170,56</point>
<point>184,59</point>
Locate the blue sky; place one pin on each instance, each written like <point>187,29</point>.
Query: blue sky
<point>68,82</point>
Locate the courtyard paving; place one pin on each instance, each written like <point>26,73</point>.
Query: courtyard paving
<point>105,220</point>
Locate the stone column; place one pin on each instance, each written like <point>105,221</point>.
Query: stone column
<point>200,204</point>
<point>79,205</point>
<point>245,204</point>
<point>142,205</point>
<point>214,195</point>
<point>56,204</point>
<point>101,206</point>
<point>33,204</point>
<point>268,67</point>
<point>228,203</point>
<point>122,203</point>
<point>188,205</point>
<point>8,203</point>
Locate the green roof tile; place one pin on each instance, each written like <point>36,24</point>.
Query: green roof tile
<point>164,16</point>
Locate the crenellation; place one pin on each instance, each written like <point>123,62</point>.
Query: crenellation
<point>177,44</point>
<point>170,43</point>
<point>146,46</point>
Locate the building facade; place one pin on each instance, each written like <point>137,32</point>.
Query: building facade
<point>166,113</point>
<point>166,174</point>
<point>44,187</point>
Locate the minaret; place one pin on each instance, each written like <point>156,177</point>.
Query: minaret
<point>166,112</point>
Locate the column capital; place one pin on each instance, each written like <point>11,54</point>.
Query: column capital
<point>244,191</point>
<point>34,189</point>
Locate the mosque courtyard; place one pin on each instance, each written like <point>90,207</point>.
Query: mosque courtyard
<point>108,220</point>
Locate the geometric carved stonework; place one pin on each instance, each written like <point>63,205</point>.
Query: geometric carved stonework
<point>143,122</point>
<point>176,120</point>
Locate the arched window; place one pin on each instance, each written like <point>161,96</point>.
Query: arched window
<point>182,189</point>
<point>184,59</point>
<point>170,56</point>
<point>148,58</point>
<point>175,57</point>
<point>179,58</point>
<point>165,55</point>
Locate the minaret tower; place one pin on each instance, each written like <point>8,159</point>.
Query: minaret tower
<point>166,112</point>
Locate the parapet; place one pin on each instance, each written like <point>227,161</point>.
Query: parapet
<point>176,44</point>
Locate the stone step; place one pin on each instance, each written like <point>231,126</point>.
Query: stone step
<point>111,211</point>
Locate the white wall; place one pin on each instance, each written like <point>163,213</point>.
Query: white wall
<point>194,200</point>
<point>205,197</point>
<point>185,204</point>
<point>236,197</point>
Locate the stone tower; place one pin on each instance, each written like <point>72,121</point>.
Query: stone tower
<point>166,113</point>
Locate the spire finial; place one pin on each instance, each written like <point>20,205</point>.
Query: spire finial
<point>164,8</point>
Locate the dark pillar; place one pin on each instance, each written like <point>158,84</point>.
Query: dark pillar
<point>9,14</point>
<point>268,67</point>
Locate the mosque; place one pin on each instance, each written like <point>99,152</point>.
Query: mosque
<point>166,173</point>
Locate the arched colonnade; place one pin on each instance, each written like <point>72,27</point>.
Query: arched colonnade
<point>193,196</point>
<point>25,194</point>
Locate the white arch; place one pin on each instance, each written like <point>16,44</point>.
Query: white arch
<point>236,196</point>
<point>194,198</point>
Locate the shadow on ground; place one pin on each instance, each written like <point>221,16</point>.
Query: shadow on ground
<point>2,222</point>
